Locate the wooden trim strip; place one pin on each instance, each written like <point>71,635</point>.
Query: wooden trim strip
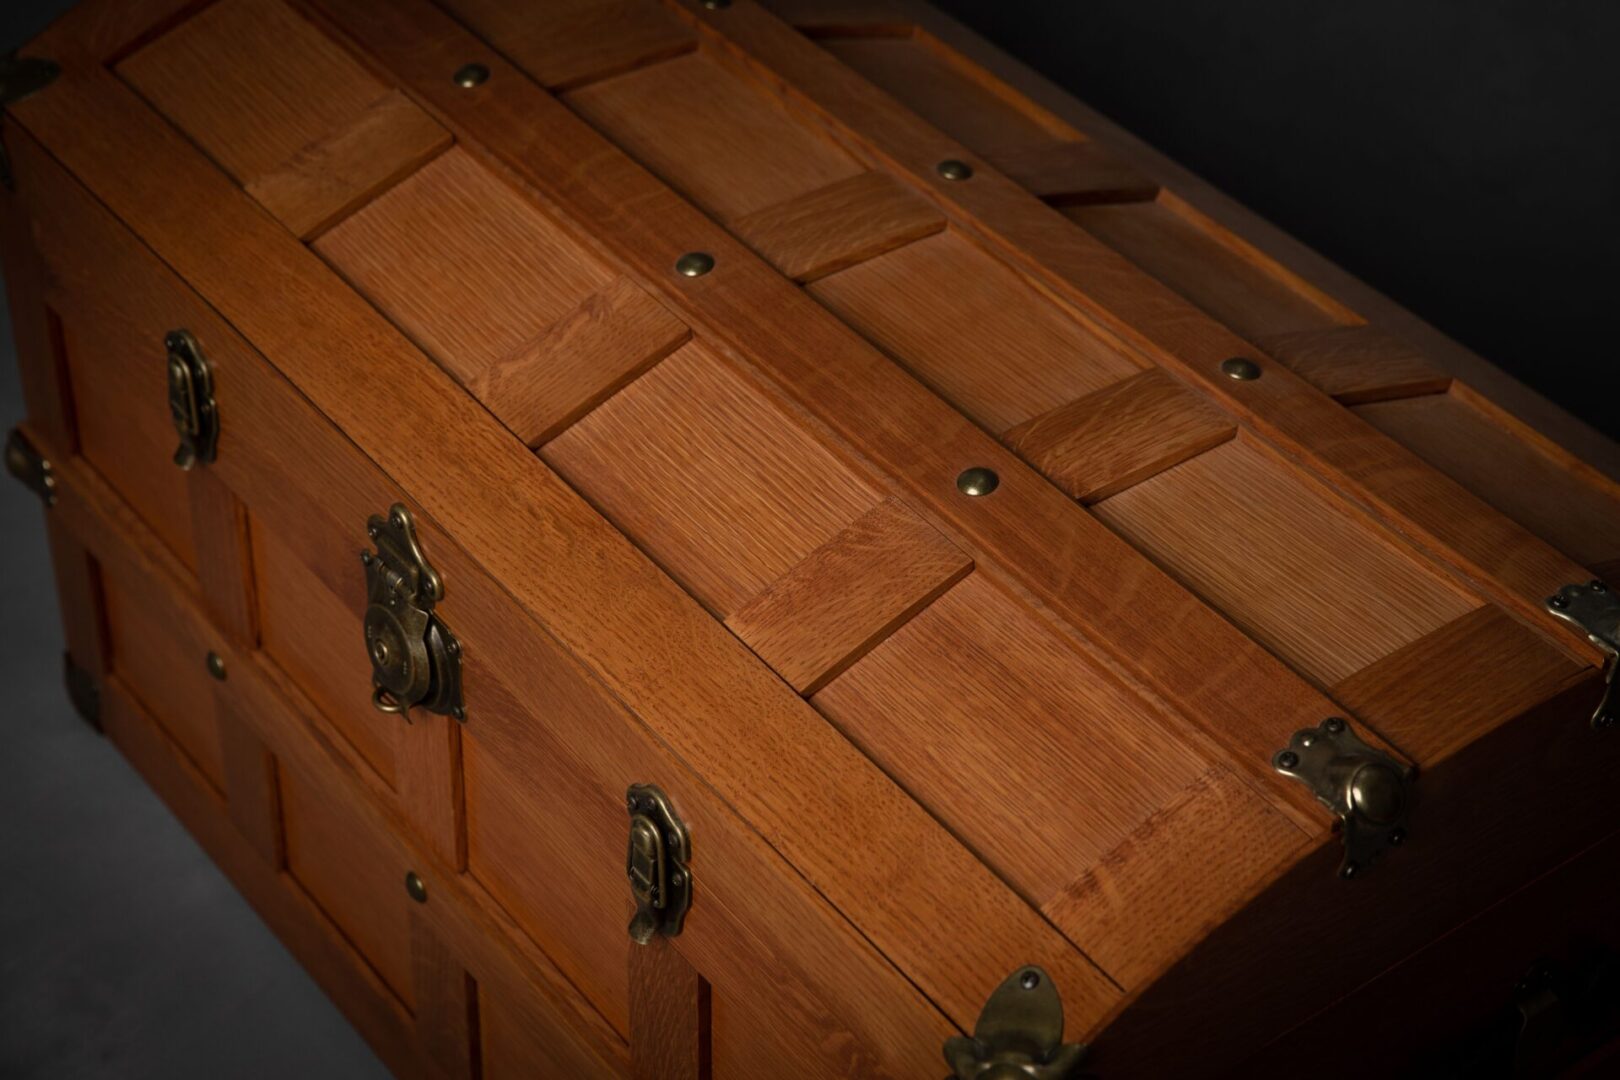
<point>1075,173</point>
<point>669,1016</point>
<point>835,227</point>
<point>1493,554</point>
<point>1357,364</point>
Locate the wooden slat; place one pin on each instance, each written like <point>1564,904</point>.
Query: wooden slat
<point>1071,173</point>
<point>566,43</point>
<point>834,227</point>
<point>446,999</point>
<point>252,789</point>
<point>848,595</point>
<point>1456,683</point>
<point>1318,586</point>
<point>1543,488</point>
<point>1176,877</point>
<point>968,327</point>
<point>81,600</point>
<point>429,779</point>
<point>714,134</point>
<point>616,334</point>
<point>1120,435</point>
<point>221,535</point>
<point>704,706</point>
<point>1357,364</point>
<point>338,172</point>
<point>669,1016</point>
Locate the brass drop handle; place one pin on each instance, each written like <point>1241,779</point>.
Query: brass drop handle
<point>415,660</point>
<point>1019,1035</point>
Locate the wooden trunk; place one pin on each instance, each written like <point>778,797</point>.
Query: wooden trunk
<point>805,419</point>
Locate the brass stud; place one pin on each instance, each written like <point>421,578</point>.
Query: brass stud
<point>977,481</point>
<point>470,75</point>
<point>717,5</point>
<point>1240,368</point>
<point>951,169</point>
<point>216,665</point>
<point>694,264</point>
<point>415,886</point>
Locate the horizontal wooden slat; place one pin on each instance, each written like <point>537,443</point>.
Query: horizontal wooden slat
<point>578,362</point>
<point>565,43</point>
<point>1070,173</point>
<point>1454,684</point>
<point>1357,364</point>
<point>848,595</point>
<point>844,223</point>
<point>1121,435</point>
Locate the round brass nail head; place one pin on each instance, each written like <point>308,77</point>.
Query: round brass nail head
<point>977,481</point>
<point>951,169</point>
<point>416,887</point>
<point>694,264</point>
<point>717,5</point>
<point>1240,368</point>
<point>471,75</point>
<point>216,665</point>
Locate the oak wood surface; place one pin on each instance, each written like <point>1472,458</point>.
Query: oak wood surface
<point>1357,364</point>
<point>571,42</point>
<point>669,1016</point>
<point>445,1002</point>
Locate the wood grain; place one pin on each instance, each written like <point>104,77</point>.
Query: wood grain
<point>710,477</point>
<point>614,335</point>
<point>252,790</point>
<point>569,42</point>
<point>969,328</point>
<point>1542,488</point>
<point>1317,585</point>
<point>1236,285</point>
<point>298,122</point>
<point>463,265</point>
<point>446,1001</point>
<point>221,537</point>
<point>713,134</point>
<point>519,1041</point>
<point>845,597</point>
<point>669,1016</point>
<point>1120,435</point>
<point>835,227</point>
<point>1072,173</point>
<point>1457,683</point>
<point>1357,364</point>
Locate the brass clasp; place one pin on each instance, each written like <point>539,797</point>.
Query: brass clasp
<point>191,400</point>
<point>660,881</point>
<point>1019,1035</point>
<point>415,660</point>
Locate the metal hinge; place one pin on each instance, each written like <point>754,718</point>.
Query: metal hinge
<point>1596,612</point>
<point>21,78</point>
<point>1019,1034</point>
<point>83,691</point>
<point>415,659</point>
<point>191,400</point>
<point>660,880</point>
<point>33,469</point>
<point>1370,791</point>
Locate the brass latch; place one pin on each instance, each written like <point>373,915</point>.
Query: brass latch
<point>1594,610</point>
<point>1369,790</point>
<point>191,400</point>
<point>660,849</point>
<point>27,464</point>
<point>415,660</point>
<point>1019,1035</point>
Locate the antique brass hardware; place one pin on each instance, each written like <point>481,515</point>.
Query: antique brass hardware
<point>660,849</point>
<point>21,78</point>
<point>191,400</point>
<point>415,887</point>
<point>1370,791</point>
<point>83,691</point>
<point>1019,1035</point>
<point>27,464</point>
<point>415,660</point>
<point>1240,368</point>
<point>977,481</point>
<point>1593,609</point>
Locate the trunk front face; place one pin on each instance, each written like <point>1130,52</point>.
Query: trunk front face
<point>915,542</point>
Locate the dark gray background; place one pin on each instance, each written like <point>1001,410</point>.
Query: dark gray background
<point>1463,157</point>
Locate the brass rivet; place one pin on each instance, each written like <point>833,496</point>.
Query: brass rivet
<point>1287,760</point>
<point>977,481</point>
<point>1240,368</point>
<point>717,5</point>
<point>694,264</point>
<point>1029,980</point>
<point>470,75</point>
<point>416,887</point>
<point>951,169</point>
<point>216,665</point>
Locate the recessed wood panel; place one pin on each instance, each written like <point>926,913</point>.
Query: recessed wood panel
<point>521,1040</point>
<point>315,636</point>
<point>355,875</point>
<point>715,481</point>
<point>970,328</point>
<point>1553,495</point>
<point>162,660</point>
<point>714,135</point>
<point>1321,589</point>
<point>281,107</point>
<point>563,43</point>
<point>1024,747</point>
<point>1210,267</point>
